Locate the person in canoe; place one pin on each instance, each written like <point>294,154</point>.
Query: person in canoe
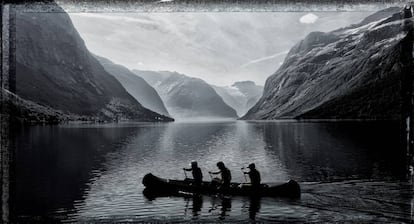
<point>196,171</point>
<point>225,176</point>
<point>254,175</point>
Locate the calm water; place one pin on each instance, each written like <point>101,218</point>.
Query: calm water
<point>348,171</point>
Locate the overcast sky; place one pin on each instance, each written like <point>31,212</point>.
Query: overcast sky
<point>220,48</point>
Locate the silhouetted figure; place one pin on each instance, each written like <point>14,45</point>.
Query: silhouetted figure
<point>254,175</point>
<point>407,12</point>
<point>196,171</point>
<point>225,176</point>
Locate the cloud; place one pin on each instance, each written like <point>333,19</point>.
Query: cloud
<point>211,46</point>
<point>115,17</point>
<point>264,58</point>
<point>308,18</point>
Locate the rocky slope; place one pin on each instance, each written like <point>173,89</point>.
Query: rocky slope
<point>55,69</point>
<point>25,111</point>
<point>241,96</point>
<point>187,97</point>
<point>352,72</point>
<point>136,86</point>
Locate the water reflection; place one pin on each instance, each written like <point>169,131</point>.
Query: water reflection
<point>254,207</point>
<point>220,206</point>
<point>334,151</point>
<point>197,205</point>
<point>55,164</point>
<point>94,173</point>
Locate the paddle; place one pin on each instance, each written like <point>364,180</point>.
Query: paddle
<point>185,173</point>
<point>211,176</point>
<point>245,178</point>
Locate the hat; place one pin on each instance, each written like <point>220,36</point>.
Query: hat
<point>251,165</point>
<point>194,163</point>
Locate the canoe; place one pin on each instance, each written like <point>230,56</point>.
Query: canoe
<point>156,186</point>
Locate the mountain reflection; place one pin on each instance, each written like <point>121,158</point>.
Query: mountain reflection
<point>332,151</point>
<point>55,164</point>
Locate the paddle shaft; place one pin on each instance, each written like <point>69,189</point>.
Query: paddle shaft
<point>245,178</point>
<point>185,173</point>
<point>244,174</point>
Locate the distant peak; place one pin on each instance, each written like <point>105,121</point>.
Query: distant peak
<point>244,83</point>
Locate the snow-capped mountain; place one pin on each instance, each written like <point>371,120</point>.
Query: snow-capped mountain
<point>136,86</point>
<point>241,96</point>
<point>187,97</point>
<point>55,69</point>
<point>352,72</point>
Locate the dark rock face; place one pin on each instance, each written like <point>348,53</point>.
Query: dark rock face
<point>55,69</point>
<point>187,97</point>
<point>353,72</point>
<point>27,112</point>
<point>241,96</point>
<point>136,86</point>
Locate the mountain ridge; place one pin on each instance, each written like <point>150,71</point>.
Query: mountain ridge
<point>241,95</point>
<point>135,85</point>
<point>186,96</point>
<point>348,73</point>
<point>55,69</point>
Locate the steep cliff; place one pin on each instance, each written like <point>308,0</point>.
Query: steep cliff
<point>55,69</point>
<point>352,72</point>
<point>136,86</point>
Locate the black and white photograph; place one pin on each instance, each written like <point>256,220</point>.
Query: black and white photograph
<point>173,111</point>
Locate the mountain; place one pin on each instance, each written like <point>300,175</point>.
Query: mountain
<point>25,111</point>
<point>136,86</point>
<point>241,96</point>
<point>55,69</point>
<point>187,97</point>
<point>352,72</point>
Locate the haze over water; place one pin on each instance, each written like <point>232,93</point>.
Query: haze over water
<point>348,171</point>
